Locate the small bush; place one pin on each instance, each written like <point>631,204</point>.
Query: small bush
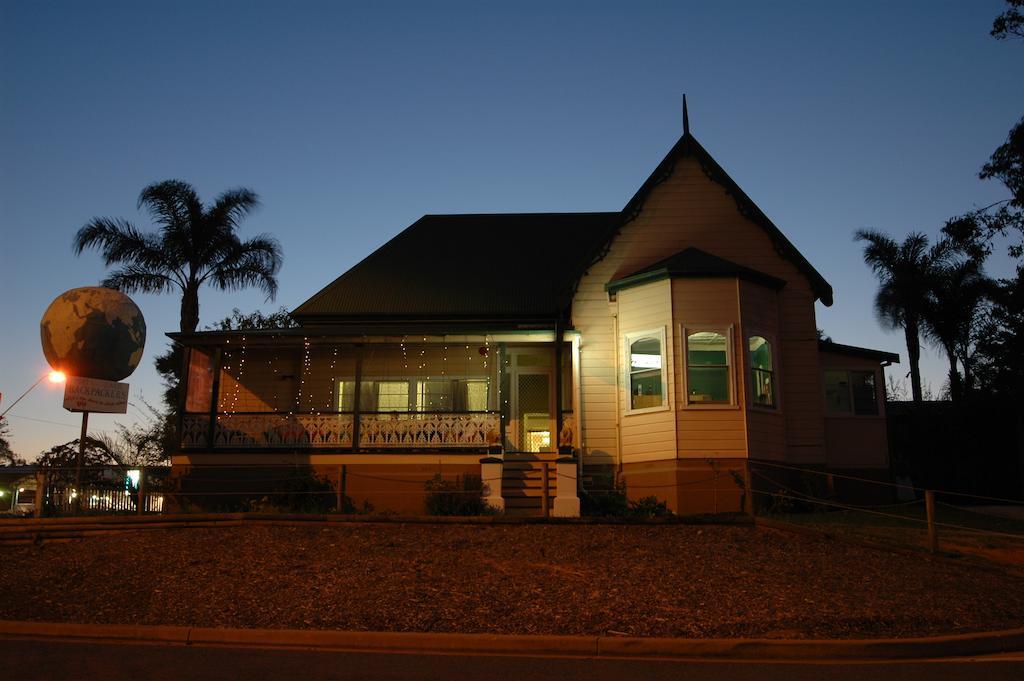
<point>462,496</point>
<point>649,507</point>
<point>306,494</point>
<point>608,499</point>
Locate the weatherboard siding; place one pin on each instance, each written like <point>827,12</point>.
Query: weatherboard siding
<point>714,431</point>
<point>648,435</point>
<point>766,427</point>
<point>690,210</point>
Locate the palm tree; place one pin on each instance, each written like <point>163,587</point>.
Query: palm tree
<point>906,273</point>
<point>951,315</point>
<point>195,245</point>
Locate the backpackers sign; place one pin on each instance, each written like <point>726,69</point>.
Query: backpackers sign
<point>95,395</point>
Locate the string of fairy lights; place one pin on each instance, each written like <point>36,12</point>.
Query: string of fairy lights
<point>431,377</point>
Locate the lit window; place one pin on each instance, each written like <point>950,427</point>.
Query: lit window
<point>475,394</point>
<point>646,366</point>
<point>707,368</point>
<point>851,392</point>
<point>346,395</point>
<point>433,396</point>
<point>762,374</point>
<point>392,396</point>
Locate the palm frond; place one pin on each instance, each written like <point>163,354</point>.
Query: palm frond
<point>138,279</point>
<point>232,206</point>
<point>170,203</point>
<point>252,263</point>
<point>119,241</point>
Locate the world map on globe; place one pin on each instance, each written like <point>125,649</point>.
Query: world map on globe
<point>93,332</point>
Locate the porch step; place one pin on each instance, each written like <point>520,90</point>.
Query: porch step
<point>522,484</point>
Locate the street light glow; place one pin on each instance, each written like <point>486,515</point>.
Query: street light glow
<point>57,377</point>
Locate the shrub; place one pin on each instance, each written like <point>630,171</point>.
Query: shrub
<point>649,507</point>
<point>608,499</point>
<point>462,496</point>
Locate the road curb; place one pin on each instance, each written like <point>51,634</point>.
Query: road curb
<point>962,645</point>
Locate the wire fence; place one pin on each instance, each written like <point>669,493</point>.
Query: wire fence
<point>894,512</point>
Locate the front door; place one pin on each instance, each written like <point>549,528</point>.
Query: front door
<point>532,420</point>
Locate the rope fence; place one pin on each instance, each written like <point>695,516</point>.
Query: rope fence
<point>836,502</point>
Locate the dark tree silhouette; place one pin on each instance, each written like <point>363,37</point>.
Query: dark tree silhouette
<point>951,316</point>
<point>195,246</point>
<point>906,273</point>
<point>1010,24</point>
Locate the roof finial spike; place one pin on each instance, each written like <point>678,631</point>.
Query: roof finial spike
<point>686,117</point>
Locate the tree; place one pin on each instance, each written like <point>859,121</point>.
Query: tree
<point>1009,24</point>
<point>950,318</point>
<point>255,320</point>
<point>999,356</point>
<point>195,246</point>
<point>906,273</point>
<point>7,455</point>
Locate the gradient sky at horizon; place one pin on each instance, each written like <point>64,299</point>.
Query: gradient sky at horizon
<point>351,120</point>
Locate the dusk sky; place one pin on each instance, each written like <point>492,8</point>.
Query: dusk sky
<point>353,120</point>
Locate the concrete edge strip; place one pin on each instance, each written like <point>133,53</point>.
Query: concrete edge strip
<point>960,645</point>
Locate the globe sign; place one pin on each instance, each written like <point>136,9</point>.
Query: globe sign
<point>93,332</point>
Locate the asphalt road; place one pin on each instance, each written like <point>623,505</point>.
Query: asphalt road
<point>48,660</point>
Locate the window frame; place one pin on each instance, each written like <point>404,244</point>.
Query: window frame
<point>776,407</point>
<point>628,339</point>
<point>727,330</point>
<point>879,394</point>
<point>413,394</point>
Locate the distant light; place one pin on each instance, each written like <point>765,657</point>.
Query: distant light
<point>57,377</point>
<point>2,493</point>
<point>20,490</point>
<point>133,476</point>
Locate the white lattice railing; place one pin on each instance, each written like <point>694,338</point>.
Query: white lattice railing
<point>248,431</point>
<point>434,431</point>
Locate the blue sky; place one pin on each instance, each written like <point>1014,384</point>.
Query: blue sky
<point>353,119</point>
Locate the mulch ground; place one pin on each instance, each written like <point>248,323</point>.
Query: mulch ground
<point>672,580</point>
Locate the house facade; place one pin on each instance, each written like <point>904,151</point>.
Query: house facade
<point>665,346</point>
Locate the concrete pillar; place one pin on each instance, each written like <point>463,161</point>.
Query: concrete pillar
<point>567,500</point>
<point>490,474</point>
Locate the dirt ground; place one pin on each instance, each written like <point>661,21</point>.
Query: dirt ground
<point>669,580</point>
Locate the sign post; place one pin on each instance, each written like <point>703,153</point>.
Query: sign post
<point>91,395</point>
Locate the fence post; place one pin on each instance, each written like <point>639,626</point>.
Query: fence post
<point>929,507</point>
<point>545,490</point>
<point>40,492</point>
<point>342,483</point>
<point>140,507</point>
<point>748,489</point>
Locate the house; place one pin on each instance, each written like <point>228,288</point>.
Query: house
<point>667,345</point>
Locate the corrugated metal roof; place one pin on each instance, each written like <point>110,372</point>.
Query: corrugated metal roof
<point>518,265</point>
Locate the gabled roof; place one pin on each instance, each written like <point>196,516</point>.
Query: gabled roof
<point>468,267</point>
<point>519,266</point>
<point>854,351</point>
<point>688,146</point>
<point>693,262</point>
